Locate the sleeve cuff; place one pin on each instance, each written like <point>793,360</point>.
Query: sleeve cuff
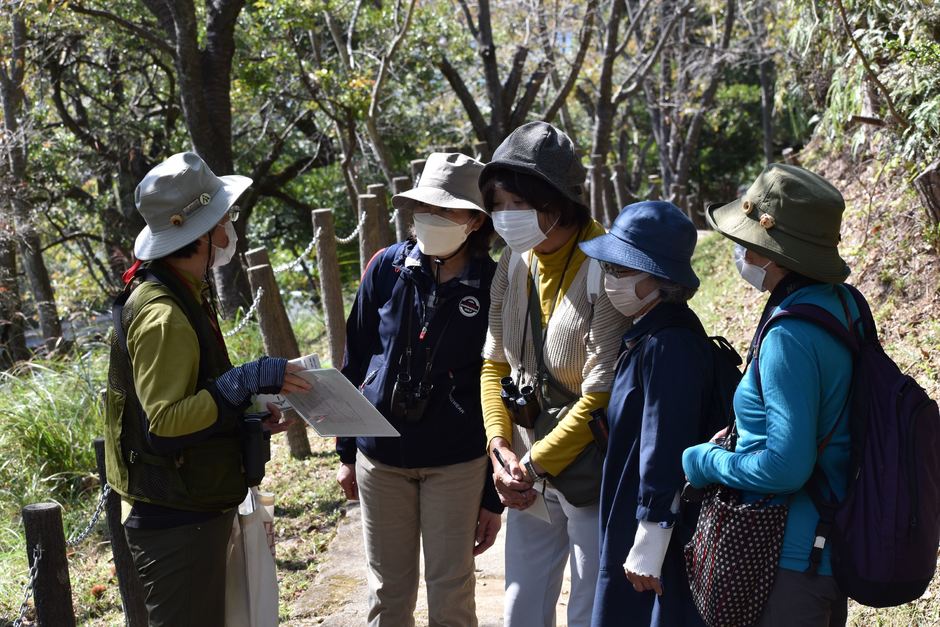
<point>695,462</point>
<point>649,550</point>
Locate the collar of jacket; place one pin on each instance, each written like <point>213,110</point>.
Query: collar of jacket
<point>660,316</point>
<point>413,261</point>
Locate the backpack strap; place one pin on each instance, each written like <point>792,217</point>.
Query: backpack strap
<point>595,280</point>
<point>388,275</point>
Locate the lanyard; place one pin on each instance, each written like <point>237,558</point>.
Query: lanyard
<point>531,314</point>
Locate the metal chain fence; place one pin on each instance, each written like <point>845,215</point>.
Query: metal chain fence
<point>248,314</point>
<point>28,588</point>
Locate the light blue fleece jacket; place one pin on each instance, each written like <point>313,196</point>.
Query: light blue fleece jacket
<point>805,376</point>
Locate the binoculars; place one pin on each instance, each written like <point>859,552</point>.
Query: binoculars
<point>409,401</point>
<point>256,448</point>
<point>523,405</point>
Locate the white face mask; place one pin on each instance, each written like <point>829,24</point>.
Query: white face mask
<point>520,228</point>
<point>222,256</point>
<point>751,273</point>
<point>437,235</point>
<point>622,293</point>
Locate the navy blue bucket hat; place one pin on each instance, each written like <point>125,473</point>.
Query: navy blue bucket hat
<point>653,236</point>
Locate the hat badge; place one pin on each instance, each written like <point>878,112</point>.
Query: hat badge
<point>176,219</point>
<point>747,206</point>
<point>204,199</point>
<point>767,221</point>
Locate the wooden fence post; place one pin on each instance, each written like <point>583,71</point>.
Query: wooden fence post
<point>621,190</point>
<point>404,217</point>
<point>52,589</point>
<point>596,174</point>
<point>132,591</point>
<point>369,231</point>
<point>481,151</point>
<point>331,288</point>
<point>279,340</point>
<point>385,231</point>
<point>611,209</point>
<point>417,167</point>
<point>451,148</point>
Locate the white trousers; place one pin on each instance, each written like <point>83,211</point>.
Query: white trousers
<point>536,553</point>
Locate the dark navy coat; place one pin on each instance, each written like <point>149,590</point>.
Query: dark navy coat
<point>656,409</point>
<point>399,304</point>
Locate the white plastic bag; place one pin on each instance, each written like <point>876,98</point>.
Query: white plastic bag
<point>251,577</point>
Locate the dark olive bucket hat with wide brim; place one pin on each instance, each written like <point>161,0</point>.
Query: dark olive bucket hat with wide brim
<point>791,216</point>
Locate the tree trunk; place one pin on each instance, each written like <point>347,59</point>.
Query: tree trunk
<point>12,338</point>
<point>204,78</point>
<point>12,95</point>
<point>767,71</point>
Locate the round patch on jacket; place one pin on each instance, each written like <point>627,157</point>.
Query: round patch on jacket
<point>469,306</point>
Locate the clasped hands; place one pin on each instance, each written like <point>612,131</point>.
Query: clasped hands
<point>513,484</point>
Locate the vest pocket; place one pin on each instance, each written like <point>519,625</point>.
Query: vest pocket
<point>212,473</point>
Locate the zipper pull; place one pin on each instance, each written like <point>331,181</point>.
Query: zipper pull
<point>424,331</point>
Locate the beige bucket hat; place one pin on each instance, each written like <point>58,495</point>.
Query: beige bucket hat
<point>449,180</point>
<point>181,199</point>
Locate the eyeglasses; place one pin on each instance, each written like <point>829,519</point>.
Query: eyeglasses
<point>233,213</point>
<point>615,270</point>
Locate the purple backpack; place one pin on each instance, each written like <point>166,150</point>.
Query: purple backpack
<point>885,531</point>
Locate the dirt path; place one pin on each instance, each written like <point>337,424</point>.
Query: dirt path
<point>338,596</point>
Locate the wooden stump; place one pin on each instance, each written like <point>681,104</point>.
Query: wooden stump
<point>52,590</point>
<point>385,231</point>
<point>369,239</point>
<point>279,340</point>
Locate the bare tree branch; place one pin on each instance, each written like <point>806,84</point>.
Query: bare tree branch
<point>127,25</point>
<point>466,98</point>
<point>584,37</point>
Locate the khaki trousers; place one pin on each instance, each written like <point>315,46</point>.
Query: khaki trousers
<point>440,505</point>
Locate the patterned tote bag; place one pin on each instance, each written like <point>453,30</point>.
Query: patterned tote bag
<point>733,556</point>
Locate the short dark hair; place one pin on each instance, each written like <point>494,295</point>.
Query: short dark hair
<point>185,252</point>
<point>672,292</point>
<point>480,241</point>
<point>543,196</point>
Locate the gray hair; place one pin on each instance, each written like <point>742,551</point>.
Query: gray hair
<point>672,292</point>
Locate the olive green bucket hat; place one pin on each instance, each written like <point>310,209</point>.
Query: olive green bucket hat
<point>791,216</point>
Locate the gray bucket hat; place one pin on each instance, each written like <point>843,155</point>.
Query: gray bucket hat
<point>791,216</point>
<point>449,180</point>
<point>541,150</point>
<point>181,200</point>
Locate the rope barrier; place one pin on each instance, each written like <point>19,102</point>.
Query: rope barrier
<point>248,314</point>
<point>355,233</point>
<point>296,262</point>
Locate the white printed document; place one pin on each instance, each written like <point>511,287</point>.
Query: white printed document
<point>334,407</point>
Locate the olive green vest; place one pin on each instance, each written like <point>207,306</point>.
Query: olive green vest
<point>206,476</point>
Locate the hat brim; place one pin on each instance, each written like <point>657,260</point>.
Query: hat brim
<point>612,249</point>
<point>493,167</point>
<point>433,196</point>
<point>151,245</point>
<point>822,263</point>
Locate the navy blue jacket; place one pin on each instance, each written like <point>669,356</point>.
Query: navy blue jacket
<point>659,396</point>
<point>399,304</point>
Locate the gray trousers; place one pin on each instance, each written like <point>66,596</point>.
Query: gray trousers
<point>182,570</point>
<point>805,600</point>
